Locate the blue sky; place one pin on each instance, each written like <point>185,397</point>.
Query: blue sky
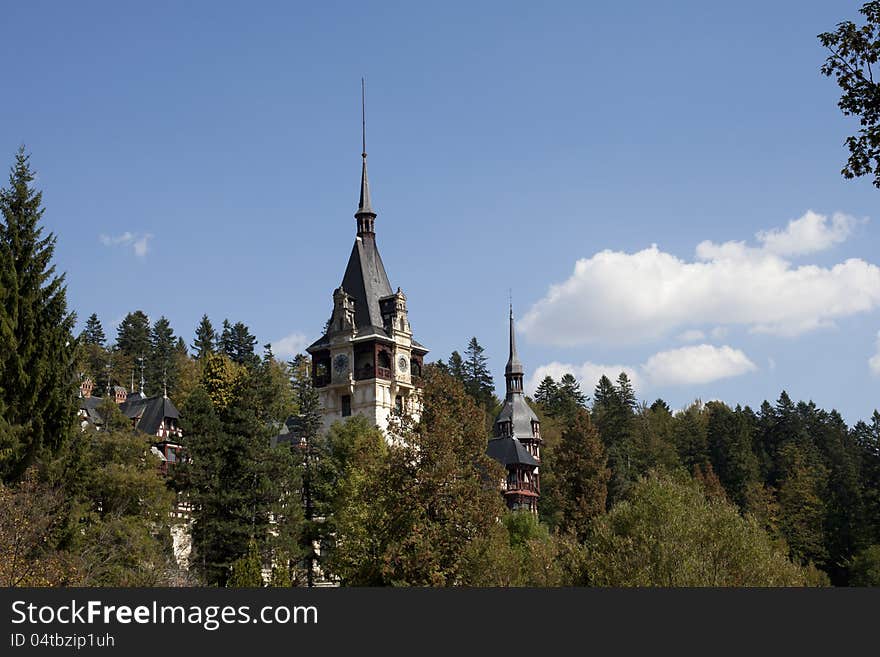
<point>204,158</point>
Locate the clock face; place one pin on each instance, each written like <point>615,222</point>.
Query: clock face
<point>340,363</point>
<point>401,363</point>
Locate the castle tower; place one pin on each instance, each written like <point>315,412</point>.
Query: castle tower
<point>516,438</point>
<point>367,361</point>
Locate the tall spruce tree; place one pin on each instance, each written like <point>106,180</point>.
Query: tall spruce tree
<point>239,344</point>
<point>478,380</point>
<point>613,415</point>
<point>94,332</point>
<point>233,478</point>
<point>455,367</point>
<point>93,356</point>
<point>162,361</point>
<point>547,395</point>
<point>206,338</point>
<point>581,475</point>
<point>36,342</point>
<point>133,335</point>
<point>569,398</point>
<point>224,342</point>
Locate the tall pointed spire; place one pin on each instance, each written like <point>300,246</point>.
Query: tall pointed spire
<point>364,215</point>
<point>513,372</point>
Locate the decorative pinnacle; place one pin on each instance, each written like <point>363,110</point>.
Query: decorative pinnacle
<point>365,215</point>
<point>513,364</point>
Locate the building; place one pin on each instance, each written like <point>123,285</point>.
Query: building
<point>516,438</point>
<point>367,361</point>
<point>156,417</point>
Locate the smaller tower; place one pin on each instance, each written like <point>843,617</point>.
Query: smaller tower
<point>516,441</point>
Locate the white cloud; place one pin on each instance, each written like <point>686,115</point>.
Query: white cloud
<point>141,245</point>
<point>874,361</point>
<point>621,297</point>
<point>588,374</point>
<point>812,232</point>
<point>684,366</point>
<point>719,332</point>
<point>139,242</point>
<point>698,364</point>
<point>692,335</point>
<point>290,345</point>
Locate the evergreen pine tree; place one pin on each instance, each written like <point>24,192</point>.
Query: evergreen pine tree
<point>547,395</point>
<point>133,335</point>
<point>477,378</point>
<point>581,475</point>
<point>94,332</point>
<point>206,338</point>
<point>237,343</point>
<point>93,357</point>
<point>36,342</point>
<point>625,392</point>
<point>456,366</point>
<point>569,398</point>
<point>225,343</point>
<point>161,361</point>
<point>315,500</point>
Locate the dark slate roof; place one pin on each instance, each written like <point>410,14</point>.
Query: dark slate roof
<point>509,451</point>
<point>90,406</point>
<point>150,412</point>
<point>517,409</point>
<point>365,279</point>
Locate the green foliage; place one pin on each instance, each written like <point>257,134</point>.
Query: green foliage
<point>864,568</point>
<point>854,54</point>
<point>37,348</point>
<point>562,400</point>
<point>93,333</point>
<point>133,335</point>
<point>247,570</point>
<point>409,519</point>
<point>221,377</point>
<point>580,475</point>
<point>161,360</point>
<point>206,338</point>
<point>455,367</point>
<point>668,533</point>
<point>546,394</point>
<point>729,441</point>
<point>477,377</point>
<point>614,416</point>
<point>31,513</point>
<point>234,480</point>
<point>124,537</point>
<point>238,344</point>
<point>802,501</point>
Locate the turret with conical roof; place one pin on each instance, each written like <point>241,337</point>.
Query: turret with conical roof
<point>516,442</point>
<point>367,361</point>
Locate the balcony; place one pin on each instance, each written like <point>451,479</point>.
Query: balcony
<point>369,372</point>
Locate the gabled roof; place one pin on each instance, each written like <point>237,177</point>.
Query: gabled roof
<point>509,451</point>
<point>149,412</point>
